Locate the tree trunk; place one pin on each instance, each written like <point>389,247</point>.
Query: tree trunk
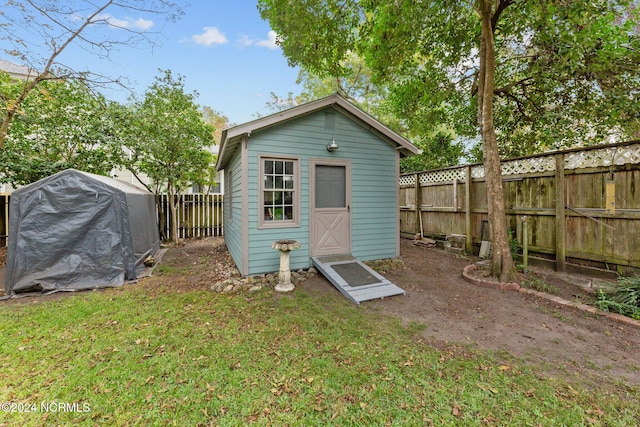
<point>173,206</point>
<point>161,217</point>
<point>502,262</point>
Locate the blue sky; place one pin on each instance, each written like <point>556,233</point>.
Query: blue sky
<point>225,51</point>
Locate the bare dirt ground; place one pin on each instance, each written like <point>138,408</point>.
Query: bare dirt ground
<point>457,316</point>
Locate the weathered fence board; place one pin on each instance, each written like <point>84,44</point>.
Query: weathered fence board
<point>581,227</point>
<point>199,215</point>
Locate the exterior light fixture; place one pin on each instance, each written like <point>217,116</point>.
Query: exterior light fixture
<point>332,146</point>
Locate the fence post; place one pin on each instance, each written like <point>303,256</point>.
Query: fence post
<point>560,214</point>
<point>468,224</point>
<point>418,201</point>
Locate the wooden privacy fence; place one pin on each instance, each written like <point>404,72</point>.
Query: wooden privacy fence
<point>199,215</point>
<point>581,206</point>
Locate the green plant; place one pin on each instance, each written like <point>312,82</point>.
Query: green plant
<point>167,269</point>
<point>540,285</point>
<point>513,245</point>
<point>623,297</point>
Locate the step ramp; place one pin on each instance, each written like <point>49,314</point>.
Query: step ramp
<point>354,279</point>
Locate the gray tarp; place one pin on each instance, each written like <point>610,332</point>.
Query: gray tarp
<point>76,230</point>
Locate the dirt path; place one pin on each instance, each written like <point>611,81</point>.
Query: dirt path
<point>557,340</point>
<point>554,340</point>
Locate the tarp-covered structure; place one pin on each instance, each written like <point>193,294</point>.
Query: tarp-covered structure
<point>76,230</point>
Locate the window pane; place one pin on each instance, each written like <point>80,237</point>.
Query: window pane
<point>288,168</point>
<point>268,182</point>
<point>288,182</point>
<point>288,212</point>
<point>268,166</point>
<point>267,214</point>
<point>330,186</point>
<point>268,198</point>
<point>278,214</point>
<point>288,197</point>
<point>279,167</point>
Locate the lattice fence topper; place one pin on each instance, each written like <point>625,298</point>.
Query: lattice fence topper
<point>443,175</point>
<point>477,171</point>
<point>407,180</point>
<point>605,156</point>
<point>531,165</point>
<point>589,158</point>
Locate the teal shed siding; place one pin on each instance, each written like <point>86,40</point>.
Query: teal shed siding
<point>233,211</point>
<point>374,208</point>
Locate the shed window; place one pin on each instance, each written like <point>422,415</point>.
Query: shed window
<point>279,198</point>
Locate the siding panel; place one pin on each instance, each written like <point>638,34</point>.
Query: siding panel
<point>373,188</point>
<point>233,222</point>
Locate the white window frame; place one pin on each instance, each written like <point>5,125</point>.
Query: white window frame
<point>263,221</point>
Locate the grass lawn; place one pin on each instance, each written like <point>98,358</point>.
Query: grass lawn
<point>126,357</point>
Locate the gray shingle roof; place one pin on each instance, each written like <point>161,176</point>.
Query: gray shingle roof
<point>15,70</point>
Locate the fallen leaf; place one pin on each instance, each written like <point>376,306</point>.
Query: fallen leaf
<point>573,390</point>
<point>456,411</point>
<point>503,368</point>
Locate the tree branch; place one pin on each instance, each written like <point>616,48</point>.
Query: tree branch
<point>500,7</point>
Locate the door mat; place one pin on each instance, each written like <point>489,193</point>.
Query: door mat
<point>354,274</point>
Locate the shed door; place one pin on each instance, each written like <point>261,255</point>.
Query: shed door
<point>330,207</point>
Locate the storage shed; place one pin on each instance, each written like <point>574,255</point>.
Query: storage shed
<point>323,173</point>
<point>75,230</point>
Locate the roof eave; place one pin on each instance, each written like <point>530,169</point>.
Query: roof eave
<point>335,100</point>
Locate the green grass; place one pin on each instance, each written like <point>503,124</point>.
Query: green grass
<point>539,285</point>
<point>265,359</point>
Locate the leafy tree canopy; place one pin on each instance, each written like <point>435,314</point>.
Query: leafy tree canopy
<point>38,32</point>
<point>567,72</point>
<point>60,125</point>
<point>169,139</point>
<point>355,84</point>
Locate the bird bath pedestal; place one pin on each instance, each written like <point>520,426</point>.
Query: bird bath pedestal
<point>284,275</point>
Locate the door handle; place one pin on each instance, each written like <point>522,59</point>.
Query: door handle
<point>348,208</point>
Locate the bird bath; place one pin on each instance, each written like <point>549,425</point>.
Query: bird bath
<point>284,275</point>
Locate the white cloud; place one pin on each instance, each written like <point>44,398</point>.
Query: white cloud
<point>143,24</point>
<point>139,24</point>
<point>269,42</point>
<point>211,35</point>
<point>246,41</point>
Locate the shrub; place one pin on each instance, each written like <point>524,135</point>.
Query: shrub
<point>623,298</point>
